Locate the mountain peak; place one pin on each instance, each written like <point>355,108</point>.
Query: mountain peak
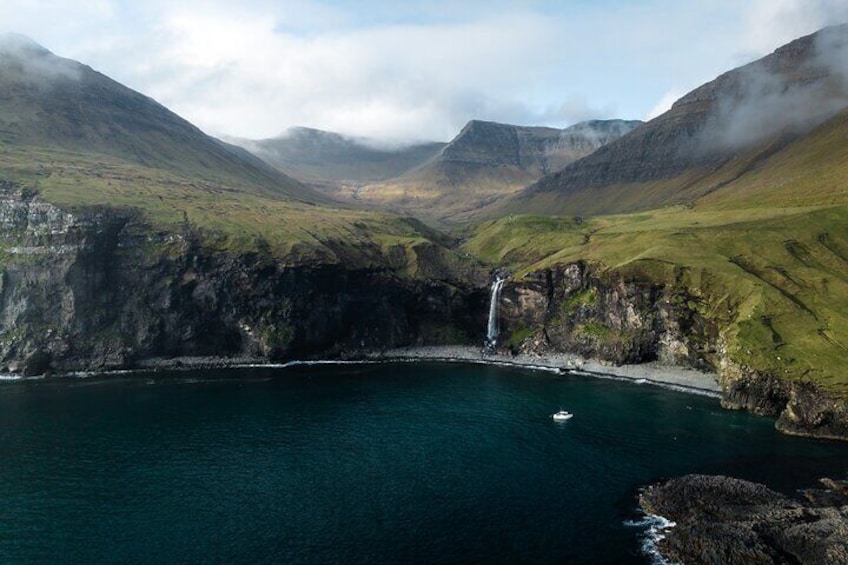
<point>53,102</point>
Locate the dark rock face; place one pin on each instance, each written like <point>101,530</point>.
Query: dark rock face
<point>534,150</point>
<point>800,407</point>
<point>98,290</point>
<point>571,308</point>
<point>725,520</point>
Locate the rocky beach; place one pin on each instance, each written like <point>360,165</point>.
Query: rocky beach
<point>679,378</point>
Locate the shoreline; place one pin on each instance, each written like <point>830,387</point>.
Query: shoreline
<point>681,379</point>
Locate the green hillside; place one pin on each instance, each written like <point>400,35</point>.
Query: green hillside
<point>778,276</point>
<point>56,103</point>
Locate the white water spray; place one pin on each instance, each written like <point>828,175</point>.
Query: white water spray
<point>492,329</point>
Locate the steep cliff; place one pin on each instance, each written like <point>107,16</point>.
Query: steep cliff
<point>577,308</point>
<point>98,288</point>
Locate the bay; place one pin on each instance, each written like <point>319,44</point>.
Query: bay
<point>383,463</point>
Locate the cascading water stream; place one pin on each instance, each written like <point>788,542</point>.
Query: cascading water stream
<point>492,328</point>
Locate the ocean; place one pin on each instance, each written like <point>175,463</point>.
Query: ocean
<point>374,463</point>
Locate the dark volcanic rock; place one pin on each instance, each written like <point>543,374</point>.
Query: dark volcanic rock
<point>723,520</point>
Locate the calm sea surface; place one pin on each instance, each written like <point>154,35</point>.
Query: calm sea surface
<point>397,463</point>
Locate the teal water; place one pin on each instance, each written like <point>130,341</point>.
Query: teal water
<point>398,463</point>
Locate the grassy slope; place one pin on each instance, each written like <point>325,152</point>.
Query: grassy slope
<point>229,216</point>
<point>779,275</point>
<point>766,247</point>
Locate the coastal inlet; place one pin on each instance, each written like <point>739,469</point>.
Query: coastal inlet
<point>361,463</point>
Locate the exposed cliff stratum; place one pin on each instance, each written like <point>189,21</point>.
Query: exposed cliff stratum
<point>99,289</point>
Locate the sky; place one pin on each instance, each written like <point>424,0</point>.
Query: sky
<point>400,72</point>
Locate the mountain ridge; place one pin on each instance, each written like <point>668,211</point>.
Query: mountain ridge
<point>487,160</point>
<point>775,99</point>
<point>333,161</point>
<point>51,101</point>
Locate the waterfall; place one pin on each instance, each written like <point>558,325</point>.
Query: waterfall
<point>492,329</point>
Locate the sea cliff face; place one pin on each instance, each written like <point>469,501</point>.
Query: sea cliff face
<point>573,308</point>
<point>98,289</point>
<point>620,319</point>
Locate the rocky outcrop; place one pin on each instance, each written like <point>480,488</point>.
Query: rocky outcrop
<point>725,520</point>
<point>98,289</point>
<point>801,408</point>
<point>573,308</point>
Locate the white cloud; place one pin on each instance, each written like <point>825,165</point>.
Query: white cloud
<point>400,81</point>
<point>412,70</point>
<point>665,103</point>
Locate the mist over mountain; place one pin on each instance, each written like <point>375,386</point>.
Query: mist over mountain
<point>49,101</point>
<point>332,161</point>
<point>753,110</point>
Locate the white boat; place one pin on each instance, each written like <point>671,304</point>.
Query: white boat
<point>562,416</point>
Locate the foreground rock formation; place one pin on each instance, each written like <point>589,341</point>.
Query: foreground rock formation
<point>722,520</point>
